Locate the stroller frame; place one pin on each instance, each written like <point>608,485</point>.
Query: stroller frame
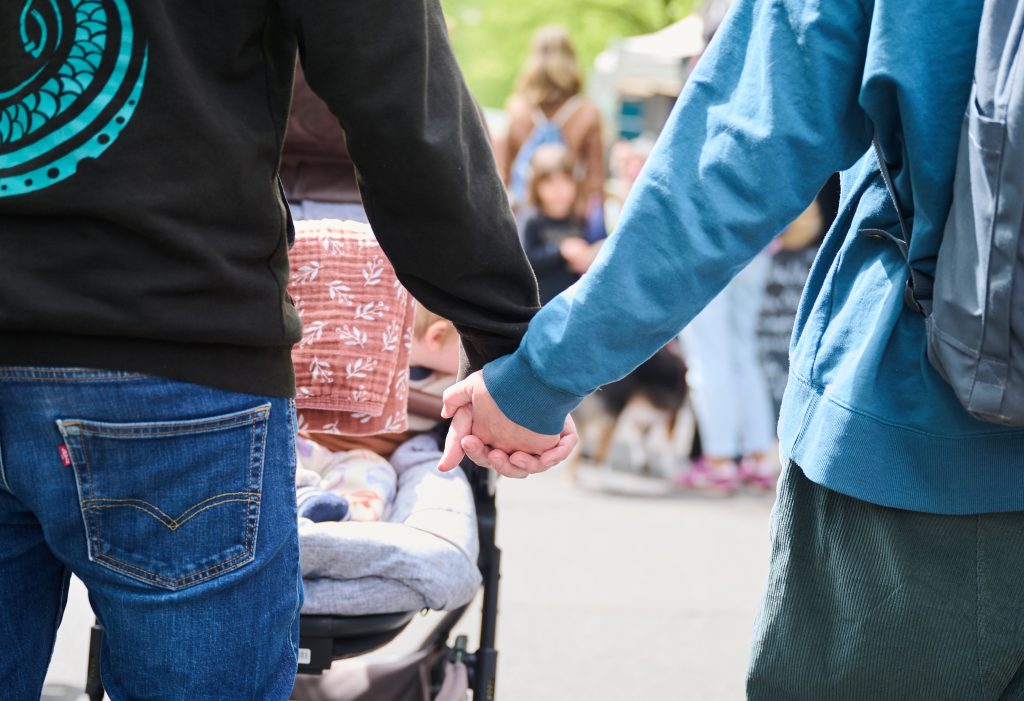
<point>324,639</point>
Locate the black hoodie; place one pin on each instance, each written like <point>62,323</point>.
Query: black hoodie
<point>142,225</point>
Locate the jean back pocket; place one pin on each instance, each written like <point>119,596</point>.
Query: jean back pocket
<point>170,503</point>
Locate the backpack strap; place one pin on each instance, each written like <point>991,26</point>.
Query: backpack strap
<point>918,294</point>
<point>566,111</point>
<point>538,118</point>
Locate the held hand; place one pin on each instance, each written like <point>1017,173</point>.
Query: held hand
<point>520,464</point>
<point>481,431</point>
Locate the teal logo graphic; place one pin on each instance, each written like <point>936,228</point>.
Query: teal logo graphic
<point>71,72</point>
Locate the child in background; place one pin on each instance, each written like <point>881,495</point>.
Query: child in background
<point>555,236</point>
<point>337,478</point>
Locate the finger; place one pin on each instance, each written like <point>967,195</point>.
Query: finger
<point>500,462</point>
<point>490,458</point>
<point>476,451</point>
<point>456,396</point>
<point>559,453</point>
<point>566,444</point>
<point>513,472</point>
<point>526,461</point>
<point>462,424</point>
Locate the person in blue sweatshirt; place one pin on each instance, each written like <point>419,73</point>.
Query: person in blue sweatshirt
<point>898,537</point>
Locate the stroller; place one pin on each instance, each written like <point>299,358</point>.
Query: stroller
<point>325,638</point>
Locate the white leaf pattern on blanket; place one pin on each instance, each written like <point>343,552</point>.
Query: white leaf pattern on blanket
<point>333,246</point>
<point>312,332</point>
<point>360,368</point>
<point>339,292</point>
<point>371,311</point>
<point>373,272</point>
<point>352,336</point>
<point>402,384</point>
<point>390,336</point>
<point>321,370</point>
<point>395,424</point>
<point>307,273</point>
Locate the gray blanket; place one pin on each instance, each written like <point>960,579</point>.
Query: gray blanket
<point>423,555</point>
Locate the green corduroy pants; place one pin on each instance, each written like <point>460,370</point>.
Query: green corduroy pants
<point>866,603</point>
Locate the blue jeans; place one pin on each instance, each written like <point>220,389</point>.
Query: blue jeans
<point>175,504</point>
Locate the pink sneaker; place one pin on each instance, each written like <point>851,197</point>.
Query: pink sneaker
<point>760,473</point>
<point>721,480</point>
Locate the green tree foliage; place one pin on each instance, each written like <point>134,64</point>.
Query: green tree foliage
<point>491,37</point>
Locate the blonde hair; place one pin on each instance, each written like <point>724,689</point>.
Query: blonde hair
<point>551,74</point>
<point>424,319</point>
<point>547,160</point>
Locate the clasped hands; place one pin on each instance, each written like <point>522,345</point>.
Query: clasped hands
<point>481,432</point>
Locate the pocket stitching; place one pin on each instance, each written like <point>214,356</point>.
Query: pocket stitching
<point>91,526</point>
<point>254,455</point>
<point>141,430</point>
<point>157,579</point>
<point>172,523</point>
<point>60,378</point>
<point>257,419</point>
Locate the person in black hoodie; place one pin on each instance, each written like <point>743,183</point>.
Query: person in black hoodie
<point>146,420</point>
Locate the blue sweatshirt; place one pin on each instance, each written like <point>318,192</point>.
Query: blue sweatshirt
<point>789,92</point>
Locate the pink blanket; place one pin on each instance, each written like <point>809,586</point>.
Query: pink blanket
<point>352,365</point>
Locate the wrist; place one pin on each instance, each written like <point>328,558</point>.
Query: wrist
<point>526,399</point>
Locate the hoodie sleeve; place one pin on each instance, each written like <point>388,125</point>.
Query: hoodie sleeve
<point>426,171</point>
<point>769,113</point>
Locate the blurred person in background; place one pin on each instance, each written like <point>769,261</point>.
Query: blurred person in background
<point>555,235</point>
<point>729,391</point>
<point>625,161</point>
<point>548,107</point>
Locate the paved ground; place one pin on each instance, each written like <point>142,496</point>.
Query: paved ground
<point>612,590</point>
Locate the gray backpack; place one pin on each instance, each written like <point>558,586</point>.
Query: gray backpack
<point>974,308</point>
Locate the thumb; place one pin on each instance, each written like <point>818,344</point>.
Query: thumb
<point>462,424</point>
<point>456,396</point>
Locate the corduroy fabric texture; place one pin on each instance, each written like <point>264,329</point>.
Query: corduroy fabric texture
<point>868,602</point>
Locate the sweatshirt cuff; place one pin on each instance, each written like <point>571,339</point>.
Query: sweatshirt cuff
<point>526,399</point>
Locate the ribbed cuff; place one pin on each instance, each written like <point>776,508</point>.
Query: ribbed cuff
<point>526,399</point>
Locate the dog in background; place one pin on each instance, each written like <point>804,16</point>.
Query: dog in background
<point>639,416</point>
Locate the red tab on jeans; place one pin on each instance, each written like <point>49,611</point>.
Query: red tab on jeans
<point>65,455</point>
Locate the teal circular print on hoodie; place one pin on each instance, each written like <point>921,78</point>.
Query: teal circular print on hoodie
<point>71,72</point>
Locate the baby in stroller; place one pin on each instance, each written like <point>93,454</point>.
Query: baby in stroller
<point>342,478</point>
<point>425,552</point>
<point>383,483</point>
